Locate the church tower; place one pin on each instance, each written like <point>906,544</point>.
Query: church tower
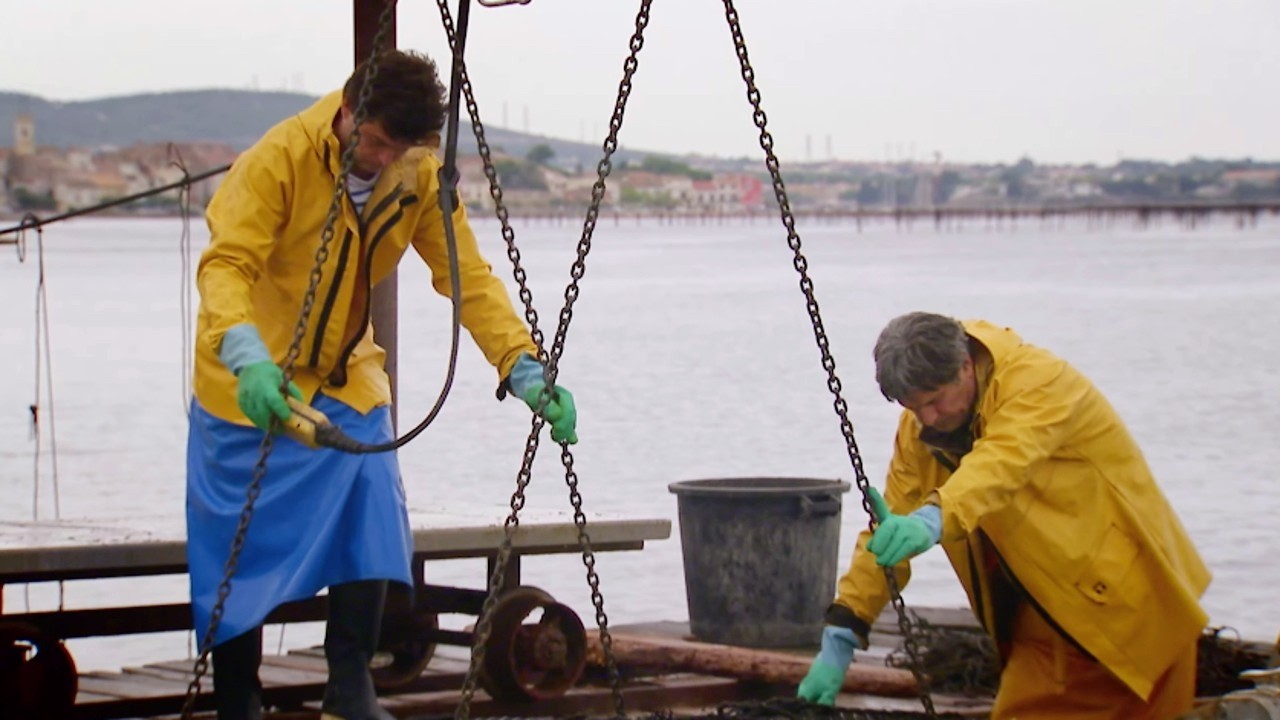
<point>24,135</point>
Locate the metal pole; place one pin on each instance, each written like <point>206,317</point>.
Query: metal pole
<point>385,309</point>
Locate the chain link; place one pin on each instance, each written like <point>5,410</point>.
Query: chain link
<point>550,362</point>
<point>801,264</point>
<point>295,349</point>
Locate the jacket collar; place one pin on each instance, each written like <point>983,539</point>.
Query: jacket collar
<point>317,122</point>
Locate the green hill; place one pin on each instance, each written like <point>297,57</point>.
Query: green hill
<point>234,117</point>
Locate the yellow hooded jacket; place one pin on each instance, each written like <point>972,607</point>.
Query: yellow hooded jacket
<point>265,224</point>
<point>1055,491</point>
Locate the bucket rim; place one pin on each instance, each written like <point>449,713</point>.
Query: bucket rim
<point>786,486</point>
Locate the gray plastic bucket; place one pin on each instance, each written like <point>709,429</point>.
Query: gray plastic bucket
<point>760,557</point>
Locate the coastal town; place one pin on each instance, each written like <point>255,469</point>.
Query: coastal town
<point>46,179</point>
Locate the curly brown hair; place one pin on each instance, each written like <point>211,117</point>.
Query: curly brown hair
<point>406,97</point>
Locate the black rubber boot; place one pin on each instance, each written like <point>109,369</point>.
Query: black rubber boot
<point>350,640</point>
<point>237,691</point>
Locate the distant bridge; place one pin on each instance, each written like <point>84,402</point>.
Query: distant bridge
<point>1099,216</point>
<point>1141,215</point>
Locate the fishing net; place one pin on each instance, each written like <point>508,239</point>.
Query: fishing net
<point>792,709</point>
<point>1221,658</point>
<point>959,660</point>
<point>964,661</point>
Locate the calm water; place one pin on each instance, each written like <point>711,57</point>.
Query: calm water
<point>691,356</point>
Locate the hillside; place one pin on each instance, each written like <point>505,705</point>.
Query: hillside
<point>233,117</point>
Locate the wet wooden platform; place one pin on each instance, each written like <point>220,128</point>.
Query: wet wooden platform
<point>32,552</point>
<point>292,684</point>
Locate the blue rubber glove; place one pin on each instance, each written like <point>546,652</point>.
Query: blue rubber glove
<point>526,382</point>
<point>258,377</point>
<point>900,537</point>
<point>826,674</point>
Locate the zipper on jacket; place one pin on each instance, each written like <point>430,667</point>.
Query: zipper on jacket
<point>338,377</point>
<point>332,297</point>
<point>945,461</point>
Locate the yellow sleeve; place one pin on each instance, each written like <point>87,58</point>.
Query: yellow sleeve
<point>1033,412</point>
<point>863,588</point>
<point>486,309</point>
<point>244,218</point>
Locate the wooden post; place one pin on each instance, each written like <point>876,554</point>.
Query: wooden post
<point>385,310</point>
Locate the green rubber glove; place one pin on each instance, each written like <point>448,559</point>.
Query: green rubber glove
<point>826,675</point>
<point>821,684</point>
<point>258,393</point>
<point>559,412</point>
<point>900,537</point>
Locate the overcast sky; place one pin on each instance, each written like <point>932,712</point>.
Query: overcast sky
<point>970,80</point>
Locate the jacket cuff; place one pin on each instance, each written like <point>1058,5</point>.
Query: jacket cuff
<point>524,374</point>
<point>841,616</point>
<point>241,346</point>
<point>931,516</point>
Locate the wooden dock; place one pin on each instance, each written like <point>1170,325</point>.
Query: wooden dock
<point>37,670</point>
<point>292,683</point>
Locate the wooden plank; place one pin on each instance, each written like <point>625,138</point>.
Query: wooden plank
<point>274,672</point>
<point>33,551</point>
<point>313,651</point>
<point>296,661</point>
<point>184,668</point>
<point>120,685</point>
<point>654,694</point>
<point>84,697</point>
<point>448,666</point>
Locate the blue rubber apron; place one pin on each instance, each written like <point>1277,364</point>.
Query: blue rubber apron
<point>323,517</point>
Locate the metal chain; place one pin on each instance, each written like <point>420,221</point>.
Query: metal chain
<point>824,346</point>
<point>550,360</point>
<point>295,349</point>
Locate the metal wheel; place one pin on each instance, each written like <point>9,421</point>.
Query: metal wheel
<point>535,660</point>
<point>37,675</point>
<point>405,648</point>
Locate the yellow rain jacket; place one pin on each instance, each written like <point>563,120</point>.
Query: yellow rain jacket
<point>1056,492</point>
<point>265,224</point>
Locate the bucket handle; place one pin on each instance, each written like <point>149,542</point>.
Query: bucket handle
<point>822,506</point>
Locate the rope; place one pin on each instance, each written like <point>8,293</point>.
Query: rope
<point>186,295</point>
<point>43,378</point>
<point>43,359</point>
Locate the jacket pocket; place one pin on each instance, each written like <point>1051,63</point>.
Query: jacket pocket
<point>1107,578</point>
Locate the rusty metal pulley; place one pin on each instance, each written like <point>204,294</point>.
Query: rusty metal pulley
<point>532,660</point>
<point>407,644</point>
<point>37,675</point>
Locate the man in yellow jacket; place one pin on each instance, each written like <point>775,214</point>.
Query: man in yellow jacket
<point>324,518</point>
<point>1071,556</point>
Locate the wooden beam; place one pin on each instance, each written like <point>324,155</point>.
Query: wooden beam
<point>669,655</point>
